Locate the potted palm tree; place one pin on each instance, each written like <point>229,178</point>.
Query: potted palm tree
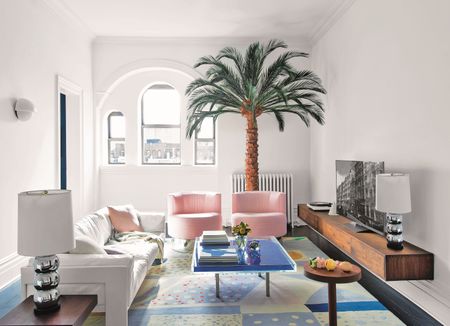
<point>245,84</point>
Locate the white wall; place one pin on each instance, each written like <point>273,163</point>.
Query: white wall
<point>36,46</point>
<point>386,67</point>
<point>147,186</point>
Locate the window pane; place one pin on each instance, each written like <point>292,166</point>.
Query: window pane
<point>161,146</point>
<point>161,105</point>
<point>116,126</point>
<point>207,129</point>
<point>205,152</point>
<point>116,151</point>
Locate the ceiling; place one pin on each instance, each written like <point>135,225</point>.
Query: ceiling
<point>202,18</point>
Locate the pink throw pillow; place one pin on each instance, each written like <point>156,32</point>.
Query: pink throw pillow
<point>124,219</point>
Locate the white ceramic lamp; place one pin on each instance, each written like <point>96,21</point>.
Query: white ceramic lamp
<point>393,196</point>
<point>45,229</point>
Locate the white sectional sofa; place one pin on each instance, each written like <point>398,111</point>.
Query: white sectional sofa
<point>114,278</point>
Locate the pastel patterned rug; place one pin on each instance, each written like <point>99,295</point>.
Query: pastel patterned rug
<point>172,295</point>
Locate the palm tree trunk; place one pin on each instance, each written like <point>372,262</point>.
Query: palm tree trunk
<point>251,155</point>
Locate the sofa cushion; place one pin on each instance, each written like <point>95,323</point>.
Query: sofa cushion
<point>124,218</point>
<point>144,254</point>
<point>86,245</point>
<point>154,222</point>
<point>114,251</point>
<point>140,250</point>
<point>95,226</point>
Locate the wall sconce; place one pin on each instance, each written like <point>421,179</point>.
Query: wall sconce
<point>24,109</point>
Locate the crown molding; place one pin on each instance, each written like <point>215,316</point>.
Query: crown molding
<point>60,8</point>
<point>235,41</point>
<point>63,11</point>
<point>330,19</point>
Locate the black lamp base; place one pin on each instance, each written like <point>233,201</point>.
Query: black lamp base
<point>47,310</point>
<point>395,245</point>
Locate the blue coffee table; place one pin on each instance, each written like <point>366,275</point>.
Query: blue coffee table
<point>273,258</point>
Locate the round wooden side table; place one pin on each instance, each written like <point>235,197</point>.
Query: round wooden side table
<point>332,278</point>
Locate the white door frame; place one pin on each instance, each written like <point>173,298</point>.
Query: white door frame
<point>69,88</point>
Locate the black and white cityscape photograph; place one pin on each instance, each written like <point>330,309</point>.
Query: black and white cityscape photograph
<point>355,192</point>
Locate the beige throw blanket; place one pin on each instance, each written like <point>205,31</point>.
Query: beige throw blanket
<point>133,236</point>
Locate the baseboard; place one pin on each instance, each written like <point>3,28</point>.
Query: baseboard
<point>10,268</point>
<point>430,297</point>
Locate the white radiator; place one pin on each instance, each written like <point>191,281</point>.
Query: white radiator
<point>282,182</point>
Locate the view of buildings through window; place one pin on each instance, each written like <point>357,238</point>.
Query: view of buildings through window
<point>116,138</point>
<point>161,131</point>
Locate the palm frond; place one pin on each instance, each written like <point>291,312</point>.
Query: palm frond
<point>272,45</point>
<point>278,69</point>
<point>235,80</point>
<point>195,120</point>
<point>280,119</point>
<point>233,55</point>
<point>220,73</point>
<point>253,63</point>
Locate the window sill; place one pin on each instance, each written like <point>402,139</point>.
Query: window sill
<point>128,168</point>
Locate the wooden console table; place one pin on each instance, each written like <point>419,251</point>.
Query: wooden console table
<point>369,248</point>
<point>74,311</point>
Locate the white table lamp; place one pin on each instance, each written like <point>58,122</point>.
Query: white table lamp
<point>393,196</point>
<point>45,229</point>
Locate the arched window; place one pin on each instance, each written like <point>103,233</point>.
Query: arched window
<point>161,136</point>
<point>116,138</point>
<point>205,143</point>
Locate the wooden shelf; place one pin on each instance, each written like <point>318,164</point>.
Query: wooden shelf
<point>369,248</point>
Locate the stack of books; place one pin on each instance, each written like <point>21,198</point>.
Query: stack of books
<point>214,238</point>
<point>217,256</point>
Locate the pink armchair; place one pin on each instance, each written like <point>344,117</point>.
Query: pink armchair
<point>189,214</point>
<point>263,211</point>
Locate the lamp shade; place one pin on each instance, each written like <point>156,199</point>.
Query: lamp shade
<point>393,193</point>
<point>45,222</point>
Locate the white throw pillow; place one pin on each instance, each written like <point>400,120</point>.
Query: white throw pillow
<point>86,245</point>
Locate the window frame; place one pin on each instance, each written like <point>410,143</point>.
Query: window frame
<point>111,139</point>
<point>157,126</point>
<point>213,139</point>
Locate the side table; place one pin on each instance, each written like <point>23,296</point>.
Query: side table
<point>332,278</point>
<point>74,311</point>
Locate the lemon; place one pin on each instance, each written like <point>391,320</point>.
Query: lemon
<point>330,264</point>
